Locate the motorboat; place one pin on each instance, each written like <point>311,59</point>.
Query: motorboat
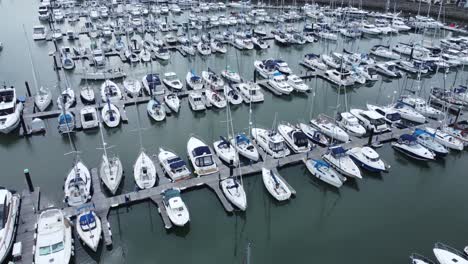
<point>388,69</point>
<point>201,157</point>
<point>369,29</point>
<point>390,115</point>
<point>251,92</point>
<point>172,82</point>
<point>458,133</point>
<point>217,46</point>
<point>175,207</point>
<point>339,159</point>
<point>275,185</point>
<point>367,158</point>
<point>43,12</point>
<point>330,61</point>
<point>408,145</point>
<point>234,191</point>
<point>226,152</point>
<point>371,120</point>
<point>294,138</point>
<point>98,58</point>
<point>194,81</point>
<point>215,98</point>
<point>259,43</point>
<point>445,139</point>
<point>188,49</point>
<point>89,229</point>
<point>340,78</point>
<point>196,101</point>
<point>156,110</point>
<point>384,52</point>
<point>421,106</point>
<point>144,171</point>
<point>162,53</point>
<point>204,48</point>
<point>448,255</point>
<point>244,147</point>
<point>10,110</point>
<point>412,67</point>
<point>212,80</point>
<point>323,171</point>
<point>350,124</point>
<point>89,117</point>
<point>87,94</point>
<point>53,238</point>
<point>279,83</point>
<point>313,61</point>
<point>110,115</point>
<point>132,87</point>
<point>282,67</point>
<point>428,141</point>
<point>172,101</point>
<point>66,122</point>
<point>66,98</point>
<point>77,186</point>
<point>271,142</point>
<point>297,83</point>
<point>152,84</point>
<point>39,32</point>
<point>232,95</point>
<point>266,68</point>
<point>173,165</point>
<point>231,76</point>
<point>110,91</point>
<point>409,113</point>
<point>10,204</point>
<point>328,127</point>
<point>314,135</point>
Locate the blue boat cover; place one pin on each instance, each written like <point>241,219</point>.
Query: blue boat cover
<point>203,150</point>
<point>87,219</point>
<point>320,163</point>
<point>65,118</point>
<point>460,89</point>
<point>242,138</point>
<point>311,55</point>
<point>407,137</point>
<point>337,150</point>
<point>269,63</point>
<point>176,163</point>
<point>419,131</point>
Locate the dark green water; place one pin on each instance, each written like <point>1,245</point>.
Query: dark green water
<point>382,218</point>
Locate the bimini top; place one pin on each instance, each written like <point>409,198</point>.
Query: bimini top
<point>311,56</point>
<point>88,221</point>
<point>194,77</point>
<point>419,132</point>
<point>224,142</point>
<point>176,163</point>
<point>320,163</point>
<point>407,137</point>
<point>269,63</point>
<point>153,79</point>
<point>171,193</point>
<point>300,139</point>
<point>202,150</point>
<point>242,138</point>
<point>337,151</point>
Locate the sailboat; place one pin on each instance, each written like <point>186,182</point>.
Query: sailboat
<point>110,169</point>
<point>78,183</point>
<point>88,226</point>
<point>223,147</point>
<point>275,185</point>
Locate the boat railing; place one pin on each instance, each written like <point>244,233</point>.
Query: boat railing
<point>457,252</point>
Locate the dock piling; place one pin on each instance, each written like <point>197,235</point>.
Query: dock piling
<point>371,134</point>
<point>28,180</point>
<point>27,88</point>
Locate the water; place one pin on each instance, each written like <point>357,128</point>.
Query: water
<point>382,218</point>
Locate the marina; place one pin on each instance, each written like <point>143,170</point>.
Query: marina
<point>305,123</point>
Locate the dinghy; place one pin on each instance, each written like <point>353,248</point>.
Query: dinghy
<point>110,115</point>
<point>324,172</point>
<point>175,207</point>
<point>173,165</point>
<point>88,226</point>
<point>156,110</point>
<point>275,185</point>
<point>78,184</point>
<point>338,158</point>
<point>144,171</point>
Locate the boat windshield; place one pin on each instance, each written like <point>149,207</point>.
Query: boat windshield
<point>394,117</point>
<point>7,111</point>
<point>43,251</point>
<point>377,122</point>
<point>2,216</point>
<point>276,146</point>
<point>204,161</point>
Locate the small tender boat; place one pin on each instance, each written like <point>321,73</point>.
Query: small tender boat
<point>408,145</point>
<point>216,99</point>
<point>172,82</point>
<point>367,158</point>
<point>428,141</point>
<point>78,185</point>
<point>328,128</point>
<point>196,101</point>
<point>271,142</point>
<point>275,185</point>
<point>66,122</point>
<point>144,171</point>
<point>201,157</point>
<point>175,207</point>
<point>172,101</point>
<point>67,99</point>
<point>110,115</point>
<point>88,226</point>
<point>10,204</point>
<point>156,110</point>
<point>89,117</point>
<point>294,138</point>
<point>234,192</point>
<point>53,238</point>
<point>194,81</point>
<point>173,165</point>
<point>340,161</point>
<point>324,172</point>
<point>226,152</point>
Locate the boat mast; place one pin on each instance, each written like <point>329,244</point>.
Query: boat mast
<point>36,85</point>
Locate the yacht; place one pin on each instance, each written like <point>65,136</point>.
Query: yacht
<point>370,29</point>
<point>271,142</point>
<point>259,43</point>
<point>66,98</point>
<point>215,98</point>
<point>340,161</point>
<point>53,238</point>
<point>217,46</point>
<point>279,83</point>
<point>330,61</point>
<point>314,135</point>
<point>226,152</point>
<point>244,147</point>
<point>265,68</point>
<point>448,255</point>
<point>39,32</point>
<point>156,110</point>
<point>194,81</point>
<point>89,117</point>
<point>162,53</point>
<point>43,12</point>
<point>294,138</point>
<point>89,229</point>
<point>204,48</point>
<point>328,127</point>
<point>350,124</point>
<point>173,165</point>
<point>144,171</point>
<point>172,101</point>
<point>391,116</point>
<point>66,122</point>
<point>196,101</point>
<point>251,92</point>
<point>152,84</point>
<point>340,78</point>
<point>421,106</point>
<point>445,139</point>
<point>201,157</point>
<point>313,61</point>
<point>175,207</point>
<point>275,185</point>
<point>78,184</point>
<point>371,120</point>
<point>384,52</point>
<point>367,158</point>
<point>282,67</point>
<point>409,113</point>
<point>110,91</point>
<point>110,115</point>
<point>428,141</point>
<point>323,171</point>
<point>110,171</point>
<point>10,110</point>
<point>10,210</point>
<point>408,145</point>
<point>212,80</point>
<point>172,82</point>
<point>388,69</point>
<point>297,83</point>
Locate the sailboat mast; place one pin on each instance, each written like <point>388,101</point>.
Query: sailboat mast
<point>31,60</point>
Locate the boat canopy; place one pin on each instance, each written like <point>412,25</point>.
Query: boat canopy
<point>338,151</point>
<point>242,138</point>
<point>65,118</point>
<point>269,64</point>
<point>202,150</point>
<point>300,139</point>
<point>419,132</point>
<point>320,163</point>
<point>176,163</point>
<point>311,56</point>
<point>171,193</point>
<point>87,221</point>
<point>407,137</point>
